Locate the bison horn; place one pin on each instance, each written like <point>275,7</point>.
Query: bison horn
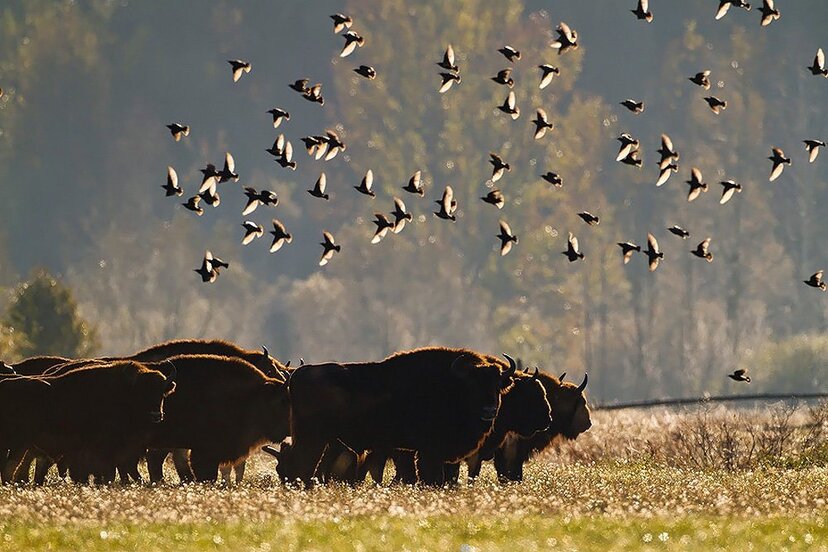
<point>173,371</point>
<point>583,383</point>
<point>562,376</point>
<point>512,366</point>
<point>271,450</point>
<point>301,361</point>
<point>535,375</point>
<point>264,350</point>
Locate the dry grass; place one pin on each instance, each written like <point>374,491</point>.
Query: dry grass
<point>702,480</point>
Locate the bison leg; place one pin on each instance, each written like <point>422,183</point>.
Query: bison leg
<point>508,467</point>
<point>238,468</point>
<point>181,461</point>
<point>205,466</point>
<point>21,475</point>
<point>451,472</point>
<point>474,463</point>
<point>155,464</point>
<point>16,456</point>
<point>42,465</point>
<point>430,470</point>
<point>374,464</point>
<point>405,467</point>
<point>306,457</point>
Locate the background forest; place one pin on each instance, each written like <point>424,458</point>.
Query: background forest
<point>89,85</point>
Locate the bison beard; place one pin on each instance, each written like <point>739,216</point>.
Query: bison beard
<point>223,408</point>
<point>102,414</point>
<point>438,402</point>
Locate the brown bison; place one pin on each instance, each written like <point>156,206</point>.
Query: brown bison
<point>223,408</point>
<point>438,402</point>
<point>570,418</point>
<point>103,413</point>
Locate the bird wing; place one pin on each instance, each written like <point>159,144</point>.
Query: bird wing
<point>229,163</point>
<point>776,171</point>
<point>321,183</point>
<point>368,181</point>
<point>326,256</point>
<point>812,154</point>
<point>249,236</point>
<point>727,193</point>
<point>624,151</point>
<point>542,115</point>
<point>414,181</point>
<point>667,143</point>
<point>696,175</point>
<point>279,144</point>
<point>768,4</point>
<point>819,60</point>
<point>288,152</point>
<point>702,247</point>
<point>277,244</point>
<point>652,243</point>
<point>328,237</point>
<point>739,372</point>
<point>694,193</point>
<point>664,176</point>
<point>644,5</point>
<point>510,101</point>
<point>348,49</point>
<point>546,78</point>
<point>209,183</point>
<point>448,81</point>
<point>724,6</point>
<point>237,72</point>
<point>448,198</point>
<point>399,205</point>
<point>567,32</point>
<point>251,206</point>
<point>505,247</point>
<point>572,241</point>
<point>449,55</point>
<point>505,229</point>
<point>172,177</point>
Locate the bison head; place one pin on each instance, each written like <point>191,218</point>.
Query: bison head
<point>270,410</point>
<point>149,389</point>
<point>269,366</point>
<point>570,413</point>
<point>525,409</point>
<point>483,382</point>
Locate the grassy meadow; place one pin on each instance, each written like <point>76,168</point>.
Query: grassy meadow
<point>622,497</point>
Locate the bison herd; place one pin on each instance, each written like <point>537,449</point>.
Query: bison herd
<point>211,403</point>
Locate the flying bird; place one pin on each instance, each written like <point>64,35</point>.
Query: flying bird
<point>507,238</point>
<point>498,166</point>
<point>701,251</point>
<point>239,67</point>
<point>300,85</point>
<point>572,252</point>
<point>653,253</point>
<point>209,269</point>
<point>278,147</point>
<point>401,216</point>
<point>366,71</point>
<point>553,178</point>
<point>286,159</point>
<point>548,73</point>
<point>679,231</point>
<point>448,205</point>
<point>724,6</point>
<point>636,107</point>
<point>280,236</point>
<point>335,144</point>
<point>627,250</point>
<point>567,39</point>
<point>769,13</point>
<point>509,106</point>
<point>329,247</point>
<point>697,184</point>
<point>279,115</point>
<point>314,94</point>
<point>779,161</point>
<point>171,187</point>
<point>740,375</point>
<point>715,104</point>
<point>341,22</point>
<point>366,184</point>
<point>510,53</point>
<point>383,226</point>
<point>229,171</point>
<point>415,185</point>
<point>251,231</point>
<point>448,79</point>
<point>818,68</point>
<point>192,204</point>
<point>448,60</point>
<point>352,40</point>
<point>589,218</point>
<point>210,179</point>
<point>642,11</point>
<point>813,148</point>
<point>541,124</point>
<point>729,187</point>
<point>256,198</point>
<point>628,144</point>
<point>815,281</point>
<point>504,77</point>
<point>318,189</point>
<point>702,79</point>
<point>178,130</point>
<point>494,197</point>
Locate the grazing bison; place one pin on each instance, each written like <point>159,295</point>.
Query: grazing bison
<point>102,413</point>
<point>570,418</point>
<point>438,402</point>
<point>223,408</point>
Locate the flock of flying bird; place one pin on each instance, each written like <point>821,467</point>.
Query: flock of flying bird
<point>328,145</point>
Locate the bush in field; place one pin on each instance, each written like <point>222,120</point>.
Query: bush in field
<point>798,364</point>
<point>43,312</point>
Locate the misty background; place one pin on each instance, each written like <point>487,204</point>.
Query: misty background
<point>89,85</point>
